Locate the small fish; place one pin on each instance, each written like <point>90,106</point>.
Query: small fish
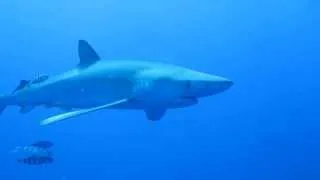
<point>36,160</point>
<point>37,153</point>
<point>43,144</point>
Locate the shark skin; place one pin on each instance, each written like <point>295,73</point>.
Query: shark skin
<point>96,84</point>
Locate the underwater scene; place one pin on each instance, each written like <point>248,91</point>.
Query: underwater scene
<point>160,89</point>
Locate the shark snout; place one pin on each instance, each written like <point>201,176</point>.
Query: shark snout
<point>209,85</point>
<point>218,84</point>
<point>224,83</point>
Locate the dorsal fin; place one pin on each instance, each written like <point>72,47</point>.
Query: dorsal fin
<point>87,54</point>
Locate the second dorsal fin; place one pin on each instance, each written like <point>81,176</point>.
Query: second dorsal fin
<point>87,54</point>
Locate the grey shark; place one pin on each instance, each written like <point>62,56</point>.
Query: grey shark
<point>96,84</point>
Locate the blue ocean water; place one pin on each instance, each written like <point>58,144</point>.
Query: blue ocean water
<point>265,127</point>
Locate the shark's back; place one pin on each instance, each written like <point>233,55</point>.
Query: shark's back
<point>131,65</point>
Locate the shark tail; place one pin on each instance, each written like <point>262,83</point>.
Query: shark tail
<point>6,100</point>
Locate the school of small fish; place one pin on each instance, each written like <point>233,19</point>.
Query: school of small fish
<point>38,153</point>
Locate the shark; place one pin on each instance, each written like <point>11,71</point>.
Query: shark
<point>96,84</point>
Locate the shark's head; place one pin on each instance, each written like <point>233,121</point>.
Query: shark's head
<point>202,85</point>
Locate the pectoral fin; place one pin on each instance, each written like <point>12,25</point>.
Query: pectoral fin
<point>72,114</point>
<point>26,109</point>
<point>155,114</point>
